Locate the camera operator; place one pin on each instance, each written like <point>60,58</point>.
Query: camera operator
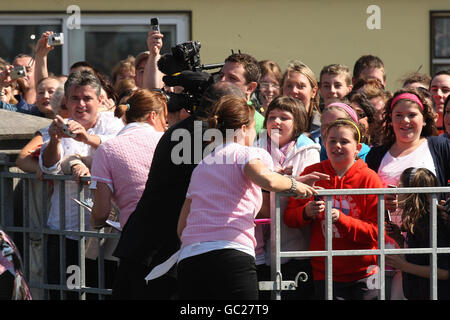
<point>176,113</point>
<point>243,71</point>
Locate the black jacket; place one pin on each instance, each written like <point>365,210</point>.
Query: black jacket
<point>150,234</point>
<point>440,151</point>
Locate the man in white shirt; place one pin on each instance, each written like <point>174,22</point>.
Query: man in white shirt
<point>85,130</point>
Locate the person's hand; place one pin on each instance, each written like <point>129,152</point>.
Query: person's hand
<point>395,260</point>
<point>287,170</point>
<point>312,178</point>
<point>391,202</point>
<point>78,130</point>
<point>313,209</point>
<point>79,170</point>
<point>5,77</point>
<point>392,229</point>
<point>304,190</point>
<point>55,130</point>
<point>42,46</point>
<point>154,42</point>
<point>335,213</point>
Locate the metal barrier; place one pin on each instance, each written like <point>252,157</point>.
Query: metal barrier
<point>7,211</point>
<point>278,284</point>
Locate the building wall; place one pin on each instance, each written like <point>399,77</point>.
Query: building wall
<point>315,32</point>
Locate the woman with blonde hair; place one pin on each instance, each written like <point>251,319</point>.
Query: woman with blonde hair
<point>300,82</point>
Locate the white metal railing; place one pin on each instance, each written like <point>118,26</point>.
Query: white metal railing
<point>328,253</point>
<point>7,224</point>
<point>277,283</point>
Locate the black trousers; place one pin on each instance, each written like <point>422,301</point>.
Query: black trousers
<point>130,283</point>
<point>226,274</point>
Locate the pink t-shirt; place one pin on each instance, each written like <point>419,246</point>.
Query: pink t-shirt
<point>123,163</point>
<point>224,202</point>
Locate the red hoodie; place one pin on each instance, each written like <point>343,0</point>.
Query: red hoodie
<point>357,227</point>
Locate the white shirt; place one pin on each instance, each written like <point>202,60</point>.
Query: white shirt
<point>391,168</point>
<point>107,126</point>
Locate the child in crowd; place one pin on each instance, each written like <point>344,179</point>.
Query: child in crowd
<point>416,223</point>
<point>216,223</point>
<point>365,111</point>
<point>339,110</point>
<point>335,82</point>
<point>354,217</point>
<point>416,80</point>
<point>291,151</point>
<point>369,66</point>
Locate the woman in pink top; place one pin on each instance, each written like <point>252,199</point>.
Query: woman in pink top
<point>120,166</point>
<point>216,224</point>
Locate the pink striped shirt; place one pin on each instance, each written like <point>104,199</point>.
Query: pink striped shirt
<point>224,202</point>
<point>123,163</point>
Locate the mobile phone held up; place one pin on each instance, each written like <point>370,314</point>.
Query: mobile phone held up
<point>154,25</point>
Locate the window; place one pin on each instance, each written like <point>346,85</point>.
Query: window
<point>440,41</point>
<point>103,39</point>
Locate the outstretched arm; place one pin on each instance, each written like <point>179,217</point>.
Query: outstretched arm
<point>102,205</point>
<point>399,262</point>
<point>40,60</point>
<point>152,75</point>
<point>260,174</point>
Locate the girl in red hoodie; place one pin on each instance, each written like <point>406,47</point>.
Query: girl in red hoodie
<point>354,216</point>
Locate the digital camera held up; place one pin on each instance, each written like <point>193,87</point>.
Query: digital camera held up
<point>56,39</point>
<point>18,72</point>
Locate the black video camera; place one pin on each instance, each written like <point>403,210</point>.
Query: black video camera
<point>183,68</point>
<point>185,56</point>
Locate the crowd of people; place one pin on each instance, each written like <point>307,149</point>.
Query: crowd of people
<point>290,132</point>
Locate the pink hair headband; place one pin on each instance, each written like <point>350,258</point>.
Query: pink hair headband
<point>407,96</point>
<point>347,108</point>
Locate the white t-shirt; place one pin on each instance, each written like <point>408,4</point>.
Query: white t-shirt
<point>391,168</point>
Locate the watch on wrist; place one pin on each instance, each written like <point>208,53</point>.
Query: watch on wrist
<point>293,186</point>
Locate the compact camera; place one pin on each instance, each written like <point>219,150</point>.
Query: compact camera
<point>18,72</point>
<point>154,25</point>
<point>66,130</point>
<point>56,39</point>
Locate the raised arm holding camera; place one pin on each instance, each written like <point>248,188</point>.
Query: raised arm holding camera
<point>40,61</point>
<point>11,78</point>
